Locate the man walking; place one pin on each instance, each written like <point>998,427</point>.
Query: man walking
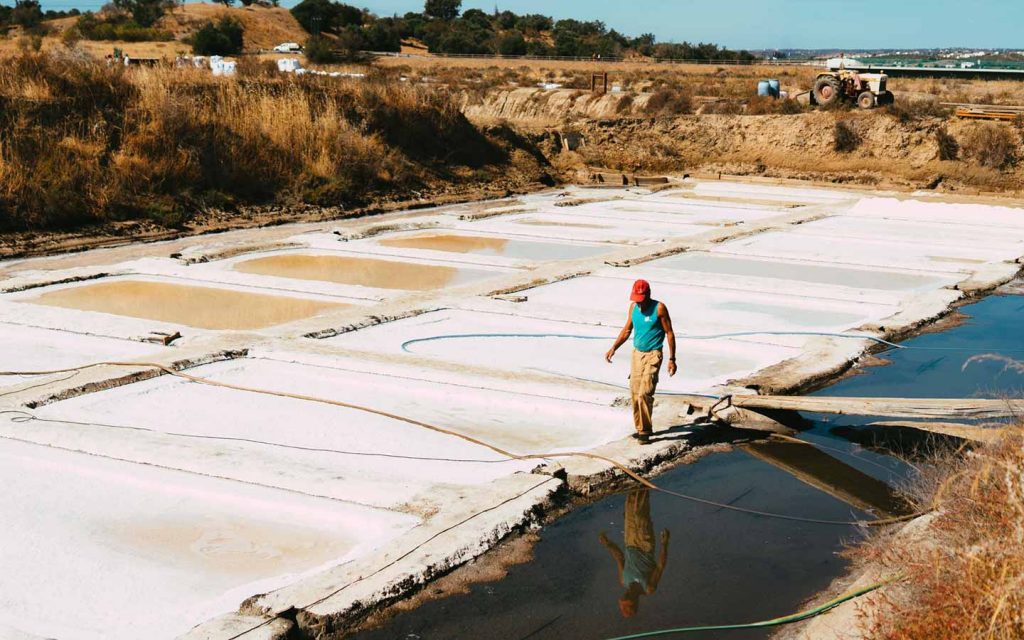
<point>650,325</point>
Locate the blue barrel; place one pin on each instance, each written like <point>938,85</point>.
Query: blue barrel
<point>764,88</point>
<point>774,88</point>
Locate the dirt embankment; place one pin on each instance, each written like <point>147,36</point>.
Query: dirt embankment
<point>542,107</point>
<point>886,148</point>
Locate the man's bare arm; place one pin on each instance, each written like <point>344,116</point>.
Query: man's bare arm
<point>659,569</point>
<point>623,335</point>
<point>670,335</point>
<point>617,555</point>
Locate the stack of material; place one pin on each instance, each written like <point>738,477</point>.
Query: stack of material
<point>986,111</point>
<point>288,65</point>
<point>223,67</point>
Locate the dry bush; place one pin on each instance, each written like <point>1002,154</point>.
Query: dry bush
<point>83,142</point>
<point>624,105</point>
<point>668,102</point>
<point>723,108</point>
<point>965,573</point>
<point>764,105</point>
<point>916,109</point>
<point>846,137</point>
<point>949,148</point>
<point>990,145</point>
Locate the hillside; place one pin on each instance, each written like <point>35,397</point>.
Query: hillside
<point>265,27</point>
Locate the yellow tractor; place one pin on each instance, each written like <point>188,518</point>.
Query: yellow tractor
<point>868,90</point>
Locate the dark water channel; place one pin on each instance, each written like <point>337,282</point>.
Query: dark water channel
<point>719,566</point>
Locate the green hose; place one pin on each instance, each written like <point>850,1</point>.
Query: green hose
<point>794,617</point>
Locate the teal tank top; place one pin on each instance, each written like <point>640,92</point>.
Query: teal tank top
<point>648,334</point>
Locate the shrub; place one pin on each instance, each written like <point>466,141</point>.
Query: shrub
<point>723,108</point>
<point>512,44</point>
<point>320,50</point>
<point>963,566</point>
<point>144,13</point>
<point>442,9</point>
<point>27,14</point>
<point>846,137</point>
<point>949,148</point>
<point>764,105</point>
<point>625,104</point>
<point>224,38</point>
<point>325,15</point>
<point>910,110</point>
<point>990,145</point>
<point>117,28</point>
<point>668,102</point>
<point>85,142</point>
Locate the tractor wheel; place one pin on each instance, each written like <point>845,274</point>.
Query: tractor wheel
<point>826,91</point>
<point>866,100</point>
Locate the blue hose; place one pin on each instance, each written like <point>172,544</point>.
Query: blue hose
<point>716,336</point>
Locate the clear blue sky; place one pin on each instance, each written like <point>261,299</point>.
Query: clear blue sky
<point>814,24</point>
<point>758,24</point>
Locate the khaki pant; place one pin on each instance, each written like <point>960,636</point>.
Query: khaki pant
<point>643,380</point>
<point>639,526</point>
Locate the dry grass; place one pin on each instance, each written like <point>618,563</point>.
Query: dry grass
<point>965,575</point>
<point>992,145</point>
<point>84,143</point>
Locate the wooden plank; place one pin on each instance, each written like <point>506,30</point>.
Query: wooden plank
<point>978,114</point>
<point>931,408</point>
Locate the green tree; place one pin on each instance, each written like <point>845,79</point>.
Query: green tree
<point>224,38</point>
<point>145,13</point>
<point>512,44</point>
<point>324,15</point>
<point>477,18</point>
<point>442,9</point>
<point>319,50</point>
<point>538,48</point>
<point>507,20</point>
<point>26,14</point>
<point>534,23</point>
<point>383,35</point>
<point>351,43</point>
<point>644,45</point>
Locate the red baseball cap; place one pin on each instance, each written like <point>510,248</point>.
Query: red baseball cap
<point>641,291</point>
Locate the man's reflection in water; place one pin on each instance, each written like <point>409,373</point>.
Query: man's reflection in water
<point>639,573</point>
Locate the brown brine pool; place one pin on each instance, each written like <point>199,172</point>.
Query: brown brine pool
<point>486,245</point>
<point>365,272</point>
<point>199,307</point>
